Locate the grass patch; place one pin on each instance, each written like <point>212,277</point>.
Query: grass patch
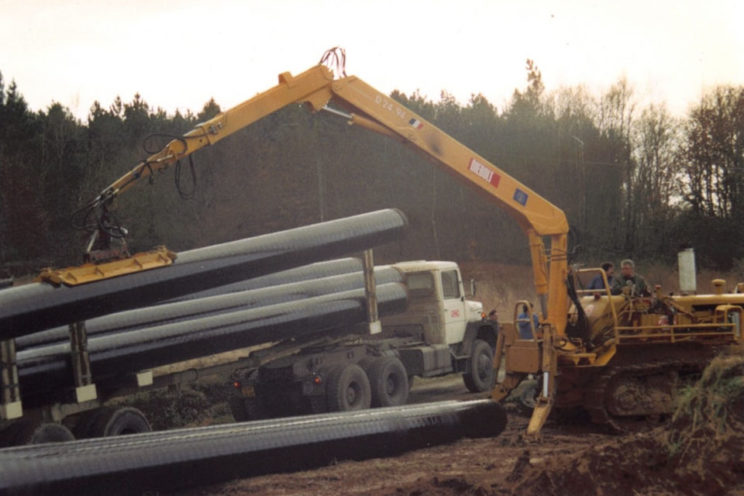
<point>710,411</point>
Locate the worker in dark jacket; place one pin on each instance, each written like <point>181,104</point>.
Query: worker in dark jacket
<point>628,278</point>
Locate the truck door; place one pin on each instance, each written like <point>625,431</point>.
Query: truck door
<point>454,307</point>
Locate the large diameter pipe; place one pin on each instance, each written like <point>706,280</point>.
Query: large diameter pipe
<point>317,270</point>
<point>188,458</point>
<point>184,310</point>
<point>46,369</point>
<point>35,307</point>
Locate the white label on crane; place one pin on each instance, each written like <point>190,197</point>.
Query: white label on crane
<point>484,172</point>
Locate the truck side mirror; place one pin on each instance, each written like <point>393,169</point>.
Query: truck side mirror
<point>472,287</point>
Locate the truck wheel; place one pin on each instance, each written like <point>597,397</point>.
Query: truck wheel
<point>389,382</point>
<point>29,432</point>
<point>348,389</point>
<point>125,420</point>
<point>51,433</point>
<point>479,374</point>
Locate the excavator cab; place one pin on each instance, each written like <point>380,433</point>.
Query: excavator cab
<point>525,343</point>
<point>524,355</point>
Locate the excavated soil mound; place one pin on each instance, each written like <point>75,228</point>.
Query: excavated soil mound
<point>700,453</point>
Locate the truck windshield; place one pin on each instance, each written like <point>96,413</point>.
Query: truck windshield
<point>420,284</point>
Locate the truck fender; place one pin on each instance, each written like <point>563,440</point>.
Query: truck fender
<point>485,330</point>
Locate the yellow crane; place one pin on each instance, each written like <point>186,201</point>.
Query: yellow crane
<point>551,351</point>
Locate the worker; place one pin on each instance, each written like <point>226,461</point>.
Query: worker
<point>523,322</point>
<point>493,316</point>
<point>598,282</point>
<point>628,278</point>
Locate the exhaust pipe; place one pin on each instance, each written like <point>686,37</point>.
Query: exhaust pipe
<point>687,276</point>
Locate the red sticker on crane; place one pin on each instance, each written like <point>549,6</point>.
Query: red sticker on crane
<point>484,172</point>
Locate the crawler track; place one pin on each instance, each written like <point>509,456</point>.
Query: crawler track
<point>637,396</point>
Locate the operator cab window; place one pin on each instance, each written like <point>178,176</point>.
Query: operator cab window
<point>420,284</point>
<point>450,287</point>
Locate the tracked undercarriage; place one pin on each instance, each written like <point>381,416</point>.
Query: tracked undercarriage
<point>637,396</point>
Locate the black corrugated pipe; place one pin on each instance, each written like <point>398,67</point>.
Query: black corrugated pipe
<point>187,458</point>
<point>46,369</point>
<point>184,310</point>
<point>317,270</point>
<point>35,307</point>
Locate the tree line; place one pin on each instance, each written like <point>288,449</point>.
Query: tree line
<point>634,182</point>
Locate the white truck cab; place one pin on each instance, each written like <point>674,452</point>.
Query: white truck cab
<point>436,302</point>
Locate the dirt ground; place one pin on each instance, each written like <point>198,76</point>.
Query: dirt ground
<point>467,467</point>
<point>577,458</point>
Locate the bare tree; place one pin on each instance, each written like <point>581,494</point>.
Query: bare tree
<point>655,180</point>
<point>714,154</point>
<point>615,113</point>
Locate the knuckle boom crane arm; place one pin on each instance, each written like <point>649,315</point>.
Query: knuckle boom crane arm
<point>365,106</point>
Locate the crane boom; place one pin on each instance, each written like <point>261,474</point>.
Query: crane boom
<point>371,109</point>
<point>365,106</point>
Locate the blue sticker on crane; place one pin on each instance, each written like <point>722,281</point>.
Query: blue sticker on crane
<point>520,197</point>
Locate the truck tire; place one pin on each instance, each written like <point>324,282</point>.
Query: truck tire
<point>348,389</point>
<point>118,422</point>
<point>51,433</point>
<point>389,382</point>
<point>29,432</point>
<point>479,374</point>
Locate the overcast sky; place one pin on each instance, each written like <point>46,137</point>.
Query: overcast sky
<point>178,54</point>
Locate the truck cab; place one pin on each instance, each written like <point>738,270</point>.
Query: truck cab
<point>437,308</point>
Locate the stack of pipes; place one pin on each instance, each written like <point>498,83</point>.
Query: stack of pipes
<point>217,299</point>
